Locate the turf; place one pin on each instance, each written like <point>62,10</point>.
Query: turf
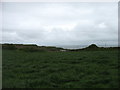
<point>83,69</point>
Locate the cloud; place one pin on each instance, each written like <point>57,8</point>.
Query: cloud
<point>60,23</point>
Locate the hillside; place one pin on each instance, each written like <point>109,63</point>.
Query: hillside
<point>34,48</point>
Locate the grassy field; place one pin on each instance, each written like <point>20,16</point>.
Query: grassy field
<point>83,69</point>
<point>0,67</point>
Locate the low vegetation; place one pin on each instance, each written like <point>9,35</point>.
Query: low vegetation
<point>35,48</point>
<point>30,47</point>
<point>71,69</point>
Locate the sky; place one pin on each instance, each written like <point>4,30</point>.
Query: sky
<point>74,23</point>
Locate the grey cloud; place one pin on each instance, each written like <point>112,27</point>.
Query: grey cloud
<point>60,23</point>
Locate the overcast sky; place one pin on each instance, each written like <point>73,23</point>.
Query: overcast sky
<point>60,23</point>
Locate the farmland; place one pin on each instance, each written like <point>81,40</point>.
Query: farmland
<point>82,69</point>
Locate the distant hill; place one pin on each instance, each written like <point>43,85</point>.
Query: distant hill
<point>30,47</point>
<point>34,48</point>
<point>94,47</point>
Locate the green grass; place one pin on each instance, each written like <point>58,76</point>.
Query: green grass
<point>0,67</point>
<point>85,69</point>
